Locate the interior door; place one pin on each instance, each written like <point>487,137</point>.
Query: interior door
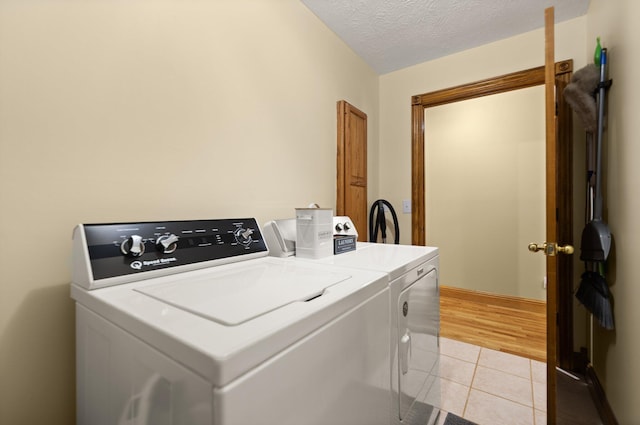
<point>351,199</point>
<point>551,227</point>
<point>558,211</point>
<point>551,248</point>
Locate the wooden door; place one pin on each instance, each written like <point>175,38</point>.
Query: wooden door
<point>551,224</point>
<point>352,166</point>
<point>559,214</point>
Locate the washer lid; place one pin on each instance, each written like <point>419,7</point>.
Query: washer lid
<point>237,296</point>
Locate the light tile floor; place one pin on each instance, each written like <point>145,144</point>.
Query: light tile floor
<point>489,387</point>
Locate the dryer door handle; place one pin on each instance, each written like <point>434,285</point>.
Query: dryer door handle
<point>405,352</point>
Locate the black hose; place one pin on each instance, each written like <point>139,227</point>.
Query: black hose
<point>380,222</point>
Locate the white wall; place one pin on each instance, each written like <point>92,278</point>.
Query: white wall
<point>149,110</point>
<point>616,352</point>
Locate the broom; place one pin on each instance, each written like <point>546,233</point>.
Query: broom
<point>593,291</point>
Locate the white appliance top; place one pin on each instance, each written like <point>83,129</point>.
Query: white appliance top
<point>395,260</point>
<point>222,321</point>
<point>231,298</point>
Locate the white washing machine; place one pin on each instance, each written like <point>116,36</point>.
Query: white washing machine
<point>415,313</point>
<point>188,322</point>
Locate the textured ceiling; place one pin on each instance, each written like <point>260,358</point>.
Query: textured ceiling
<point>393,34</point>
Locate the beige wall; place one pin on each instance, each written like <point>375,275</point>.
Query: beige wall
<point>143,110</point>
<point>616,353</point>
<point>513,54</point>
<point>484,191</point>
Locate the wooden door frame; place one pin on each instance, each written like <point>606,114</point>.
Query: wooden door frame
<point>341,107</point>
<point>514,81</point>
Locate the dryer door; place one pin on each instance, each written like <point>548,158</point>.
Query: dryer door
<point>418,329</point>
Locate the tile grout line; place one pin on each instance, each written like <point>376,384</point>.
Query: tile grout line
<point>502,398</point>
<point>528,378</point>
<point>475,368</point>
<point>533,396</point>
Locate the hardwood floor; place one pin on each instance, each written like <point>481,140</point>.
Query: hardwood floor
<point>509,324</point>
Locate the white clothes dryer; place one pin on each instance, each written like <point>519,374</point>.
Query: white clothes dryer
<point>415,324</point>
<point>188,322</point>
<point>414,307</point>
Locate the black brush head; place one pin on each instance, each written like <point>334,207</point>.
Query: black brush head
<point>593,294</point>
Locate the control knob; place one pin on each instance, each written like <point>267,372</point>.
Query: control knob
<point>243,236</point>
<point>167,243</point>
<point>133,246</point>
<point>343,226</point>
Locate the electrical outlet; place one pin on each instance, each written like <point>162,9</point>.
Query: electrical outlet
<point>544,282</point>
<point>406,206</point>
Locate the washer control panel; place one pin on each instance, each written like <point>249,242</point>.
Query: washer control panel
<point>343,226</point>
<point>121,249</point>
